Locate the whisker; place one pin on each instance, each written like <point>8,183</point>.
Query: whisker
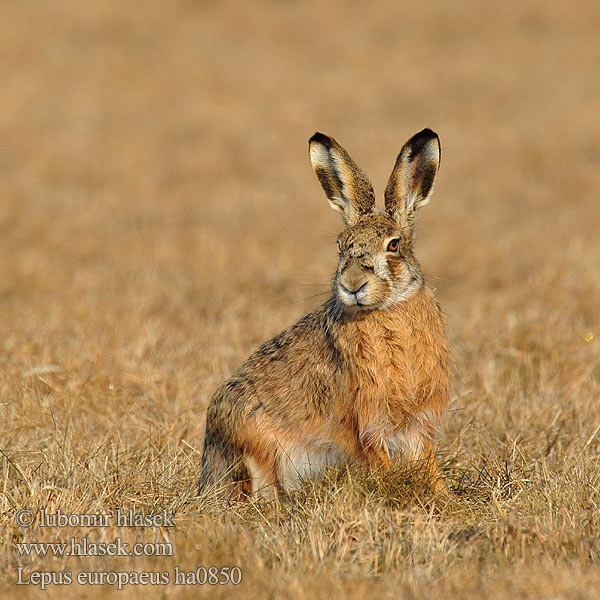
<point>315,275</point>
<point>282,303</point>
<point>324,285</point>
<point>325,231</point>
<point>318,295</point>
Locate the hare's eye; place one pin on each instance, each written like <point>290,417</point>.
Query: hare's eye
<point>393,245</point>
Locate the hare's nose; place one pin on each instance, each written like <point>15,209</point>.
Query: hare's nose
<point>354,291</point>
<point>353,279</point>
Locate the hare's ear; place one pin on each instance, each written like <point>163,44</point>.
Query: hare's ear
<point>411,183</point>
<point>347,188</point>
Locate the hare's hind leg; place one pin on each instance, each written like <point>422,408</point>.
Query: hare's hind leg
<point>263,476</point>
<point>260,456</point>
<point>233,475</point>
<point>224,472</point>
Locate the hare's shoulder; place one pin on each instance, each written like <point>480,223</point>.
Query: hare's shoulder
<point>298,347</point>
<point>300,363</point>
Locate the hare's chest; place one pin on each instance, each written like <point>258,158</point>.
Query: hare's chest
<point>392,377</point>
<point>383,363</point>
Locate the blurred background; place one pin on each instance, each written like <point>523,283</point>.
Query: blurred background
<point>159,216</point>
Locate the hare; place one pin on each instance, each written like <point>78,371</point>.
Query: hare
<point>362,379</point>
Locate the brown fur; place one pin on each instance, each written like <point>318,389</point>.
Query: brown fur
<point>365,377</point>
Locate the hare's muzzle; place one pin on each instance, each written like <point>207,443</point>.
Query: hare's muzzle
<point>352,285</point>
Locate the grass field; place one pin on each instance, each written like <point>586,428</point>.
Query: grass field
<point>159,219</point>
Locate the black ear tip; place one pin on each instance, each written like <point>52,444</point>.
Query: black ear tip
<point>320,138</point>
<point>426,135</point>
<point>418,142</point>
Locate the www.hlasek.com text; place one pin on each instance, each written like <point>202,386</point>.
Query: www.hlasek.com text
<point>84,547</point>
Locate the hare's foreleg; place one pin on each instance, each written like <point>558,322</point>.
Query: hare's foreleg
<point>418,449</point>
<point>425,455</point>
<point>376,456</point>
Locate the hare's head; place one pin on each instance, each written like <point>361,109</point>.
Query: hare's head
<point>377,267</point>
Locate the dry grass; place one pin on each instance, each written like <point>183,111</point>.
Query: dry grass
<point>159,219</point>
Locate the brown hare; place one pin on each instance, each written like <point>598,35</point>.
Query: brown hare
<point>362,379</point>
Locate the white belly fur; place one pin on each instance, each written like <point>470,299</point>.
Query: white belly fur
<point>296,464</point>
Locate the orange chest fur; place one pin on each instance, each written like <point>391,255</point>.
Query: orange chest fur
<point>398,361</point>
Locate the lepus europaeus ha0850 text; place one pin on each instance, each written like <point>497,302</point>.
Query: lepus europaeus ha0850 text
<point>364,378</point>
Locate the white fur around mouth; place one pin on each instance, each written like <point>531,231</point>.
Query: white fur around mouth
<point>354,300</point>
